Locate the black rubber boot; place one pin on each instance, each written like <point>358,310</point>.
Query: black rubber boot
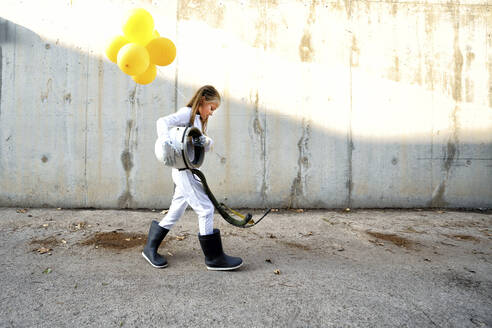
<point>156,235</point>
<point>215,259</point>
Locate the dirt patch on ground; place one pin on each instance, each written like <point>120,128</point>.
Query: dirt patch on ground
<point>46,242</point>
<point>296,245</point>
<point>397,240</point>
<point>463,237</point>
<point>116,240</point>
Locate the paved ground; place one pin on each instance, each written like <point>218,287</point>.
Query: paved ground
<point>365,268</point>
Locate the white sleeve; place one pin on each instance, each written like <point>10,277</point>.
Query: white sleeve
<point>180,118</point>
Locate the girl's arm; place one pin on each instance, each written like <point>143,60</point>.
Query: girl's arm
<point>180,118</point>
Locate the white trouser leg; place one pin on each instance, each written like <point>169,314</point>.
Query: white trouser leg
<point>189,191</point>
<point>198,200</point>
<point>176,210</point>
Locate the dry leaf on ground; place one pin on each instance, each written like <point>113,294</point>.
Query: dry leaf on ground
<point>43,250</point>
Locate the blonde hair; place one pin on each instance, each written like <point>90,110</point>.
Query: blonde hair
<point>210,94</point>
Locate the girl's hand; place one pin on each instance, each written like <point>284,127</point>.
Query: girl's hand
<point>205,141</point>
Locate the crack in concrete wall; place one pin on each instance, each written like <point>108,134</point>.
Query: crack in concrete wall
<point>297,191</point>
<point>354,62</point>
<point>451,150</point>
<point>260,133</point>
<point>45,94</point>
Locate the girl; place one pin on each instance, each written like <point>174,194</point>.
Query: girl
<point>188,190</point>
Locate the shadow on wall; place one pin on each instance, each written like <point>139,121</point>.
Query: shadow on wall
<point>76,132</point>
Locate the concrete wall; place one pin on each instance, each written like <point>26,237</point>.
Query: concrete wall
<point>325,103</point>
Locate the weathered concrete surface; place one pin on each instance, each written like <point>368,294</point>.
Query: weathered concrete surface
<point>379,268</point>
<point>326,104</point>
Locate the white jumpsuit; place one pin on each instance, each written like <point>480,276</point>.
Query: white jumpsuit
<point>188,191</point>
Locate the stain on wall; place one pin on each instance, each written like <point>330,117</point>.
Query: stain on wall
<point>260,134</point>
<point>306,51</point>
<point>126,199</point>
<point>354,53</point>
<point>297,191</point>
<point>458,69</point>
<point>451,150</point>
<point>348,7</point>
<point>1,70</point>
<point>67,99</point>
<point>45,94</point>
<point>468,76</point>
<point>5,31</point>
<point>490,83</point>
<point>394,72</point>
<point>261,27</point>
<point>209,11</point>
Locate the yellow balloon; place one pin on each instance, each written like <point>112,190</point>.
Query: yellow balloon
<point>114,46</point>
<point>133,59</point>
<point>162,51</point>
<point>146,77</point>
<point>139,26</point>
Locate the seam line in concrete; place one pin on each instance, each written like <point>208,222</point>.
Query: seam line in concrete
<point>85,129</point>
